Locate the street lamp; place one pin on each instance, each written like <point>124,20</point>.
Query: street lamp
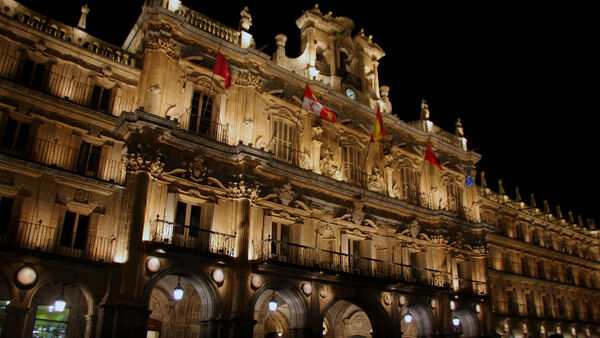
<point>455,320</point>
<point>60,302</point>
<point>273,303</point>
<point>178,291</point>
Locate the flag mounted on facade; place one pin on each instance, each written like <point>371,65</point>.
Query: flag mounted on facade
<point>430,156</point>
<point>378,131</point>
<point>469,181</point>
<point>222,70</point>
<point>311,104</point>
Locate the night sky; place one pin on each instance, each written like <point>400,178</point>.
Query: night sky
<point>524,78</point>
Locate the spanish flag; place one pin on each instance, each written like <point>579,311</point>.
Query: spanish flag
<point>378,131</point>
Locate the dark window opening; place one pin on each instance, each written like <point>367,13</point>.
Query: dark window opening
<point>74,230</point>
<point>88,161</point>
<point>16,135</point>
<point>201,114</point>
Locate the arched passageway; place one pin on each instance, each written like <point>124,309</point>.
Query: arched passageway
<point>469,322</point>
<point>181,306</point>
<point>346,319</point>
<point>417,321</point>
<point>60,308</point>
<point>279,311</point>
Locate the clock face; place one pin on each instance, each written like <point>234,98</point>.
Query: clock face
<point>27,276</point>
<point>350,93</point>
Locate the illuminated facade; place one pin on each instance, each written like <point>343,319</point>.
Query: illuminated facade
<point>158,203</point>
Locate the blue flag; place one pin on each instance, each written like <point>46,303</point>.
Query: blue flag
<point>469,181</point>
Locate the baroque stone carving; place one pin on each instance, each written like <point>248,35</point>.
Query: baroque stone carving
<point>245,19</point>
<point>81,196</point>
<point>248,79</point>
<point>162,43</point>
<point>196,170</point>
<point>243,190</point>
<point>414,228</point>
<point>154,89</point>
<point>305,159</point>
<point>286,194</point>
<point>6,177</point>
<point>386,104</point>
<point>317,131</point>
<point>143,162</point>
<point>376,182</point>
<point>326,163</point>
<point>358,215</point>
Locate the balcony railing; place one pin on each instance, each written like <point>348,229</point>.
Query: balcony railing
<point>82,162</point>
<point>46,239</point>
<point>183,236</point>
<point>205,127</point>
<point>270,250</point>
<point>40,78</point>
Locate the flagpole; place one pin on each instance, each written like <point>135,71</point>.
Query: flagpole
<point>205,104</point>
<point>297,120</point>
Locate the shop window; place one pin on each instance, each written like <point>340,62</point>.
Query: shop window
<point>50,323</point>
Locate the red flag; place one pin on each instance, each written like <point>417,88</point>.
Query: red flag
<point>222,70</point>
<point>311,104</point>
<point>430,156</point>
<point>378,131</point>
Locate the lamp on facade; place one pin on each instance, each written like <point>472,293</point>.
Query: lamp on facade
<point>408,318</point>
<point>273,303</point>
<point>455,320</point>
<point>178,291</point>
<point>60,302</point>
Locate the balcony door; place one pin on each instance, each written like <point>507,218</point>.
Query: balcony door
<point>281,235</point>
<point>352,162</point>
<point>74,231</point>
<point>283,141</point>
<point>201,114</point>
<point>88,159</point>
<point>15,137</point>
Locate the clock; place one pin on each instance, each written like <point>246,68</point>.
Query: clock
<point>350,93</point>
<point>27,276</point>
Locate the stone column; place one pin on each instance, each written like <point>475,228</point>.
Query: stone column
<point>15,321</point>
<point>240,322</point>
<point>389,183</point>
<point>316,155</point>
<point>122,312</point>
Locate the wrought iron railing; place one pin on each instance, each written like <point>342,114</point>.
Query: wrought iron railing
<point>270,250</point>
<point>169,233</point>
<point>84,161</point>
<point>287,154</point>
<point>205,127</point>
<point>38,237</point>
<point>41,78</point>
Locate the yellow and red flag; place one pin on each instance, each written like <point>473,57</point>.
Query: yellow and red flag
<point>311,104</point>
<point>378,131</point>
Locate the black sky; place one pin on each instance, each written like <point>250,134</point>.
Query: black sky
<point>524,77</point>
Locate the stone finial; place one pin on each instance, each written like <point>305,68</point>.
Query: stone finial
<point>316,9</point>
<point>546,207</point>
<point>458,130</point>
<point>571,218</point>
<point>425,113</point>
<point>580,220</point>
<point>533,204</point>
<point>245,19</point>
<point>483,183</point>
<point>386,104</point>
<point>83,19</point>
<point>280,40</point>
<point>517,194</point>
<point>592,224</point>
<point>500,188</point>
<point>559,214</point>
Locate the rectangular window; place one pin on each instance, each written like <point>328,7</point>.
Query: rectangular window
<point>530,304</point>
<point>6,205</point>
<point>201,114</point>
<point>281,235</point>
<point>100,98</point>
<point>32,74</point>
<point>190,216</point>
<point>88,161</point>
<point>408,189</point>
<point>283,138</point>
<point>16,135</point>
<point>75,230</point>
<point>352,158</point>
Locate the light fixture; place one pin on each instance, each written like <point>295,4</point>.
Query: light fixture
<point>218,276</point>
<point>452,305</point>
<point>51,308</point>
<point>408,318</point>
<point>273,303</point>
<point>153,264</point>
<point>60,302</point>
<point>279,334</point>
<point>455,320</point>
<point>178,291</point>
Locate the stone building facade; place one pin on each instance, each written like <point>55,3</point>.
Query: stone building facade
<point>129,173</point>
